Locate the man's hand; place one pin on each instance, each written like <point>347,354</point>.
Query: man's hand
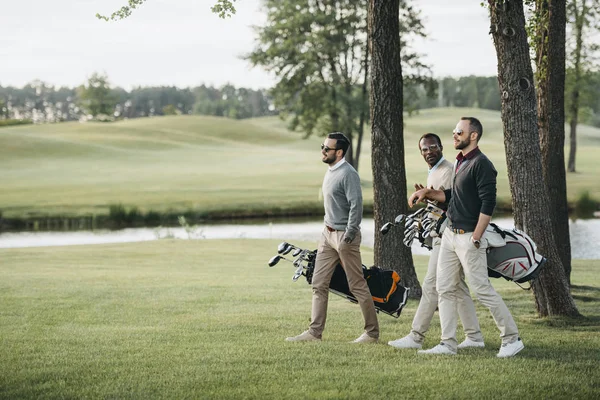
<point>419,195</point>
<point>419,186</point>
<point>348,238</point>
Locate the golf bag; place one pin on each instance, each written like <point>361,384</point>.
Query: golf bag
<point>511,254</point>
<point>388,295</point>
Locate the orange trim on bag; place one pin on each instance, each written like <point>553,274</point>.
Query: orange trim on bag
<point>396,279</point>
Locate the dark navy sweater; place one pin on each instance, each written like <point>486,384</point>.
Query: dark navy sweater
<point>473,192</point>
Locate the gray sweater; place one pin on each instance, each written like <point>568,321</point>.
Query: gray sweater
<point>342,196</point>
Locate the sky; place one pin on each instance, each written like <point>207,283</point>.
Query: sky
<point>182,43</point>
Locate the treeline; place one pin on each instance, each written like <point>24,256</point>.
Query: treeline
<point>483,92</point>
<point>41,102</point>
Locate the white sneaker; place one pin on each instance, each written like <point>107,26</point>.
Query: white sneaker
<point>439,349</point>
<point>510,349</point>
<point>303,337</point>
<point>407,342</point>
<point>364,338</point>
<point>468,343</point>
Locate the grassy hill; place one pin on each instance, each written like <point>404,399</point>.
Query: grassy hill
<point>209,164</point>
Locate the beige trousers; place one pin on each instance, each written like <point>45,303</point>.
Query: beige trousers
<point>458,254</point>
<point>332,249</point>
<point>429,302</point>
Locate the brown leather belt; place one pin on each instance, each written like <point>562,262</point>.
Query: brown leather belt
<point>330,229</point>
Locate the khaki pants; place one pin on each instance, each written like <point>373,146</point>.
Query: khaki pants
<point>458,253</point>
<point>332,249</point>
<point>429,302</point>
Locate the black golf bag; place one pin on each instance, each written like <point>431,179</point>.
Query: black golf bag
<point>388,295</point>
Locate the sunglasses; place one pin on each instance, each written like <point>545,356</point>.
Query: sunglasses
<point>458,132</point>
<point>431,147</point>
<point>327,149</point>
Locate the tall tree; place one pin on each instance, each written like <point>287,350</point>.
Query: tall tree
<point>387,141</point>
<point>318,52</point>
<point>549,41</point>
<point>583,19</point>
<point>530,197</point>
<point>96,97</point>
<point>315,49</point>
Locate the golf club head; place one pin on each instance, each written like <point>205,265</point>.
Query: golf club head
<point>287,249</point>
<point>297,252</point>
<point>426,224</point>
<point>386,228</point>
<point>399,218</point>
<point>274,260</point>
<point>282,246</point>
<point>298,273</point>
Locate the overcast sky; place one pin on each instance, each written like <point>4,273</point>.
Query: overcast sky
<point>181,43</point>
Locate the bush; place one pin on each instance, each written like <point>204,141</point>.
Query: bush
<point>152,218</point>
<point>585,205</point>
<point>9,122</point>
<point>104,118</point>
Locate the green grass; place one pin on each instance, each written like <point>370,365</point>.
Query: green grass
<point>209,164</point>
<point>206,319</point>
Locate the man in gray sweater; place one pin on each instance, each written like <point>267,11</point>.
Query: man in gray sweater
<point>340,242</point>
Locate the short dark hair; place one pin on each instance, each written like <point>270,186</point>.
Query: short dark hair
<point>430,136</point>
<point>342,142</point>
<point>474,126</point>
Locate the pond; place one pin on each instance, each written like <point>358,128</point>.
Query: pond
<point>585,235</point>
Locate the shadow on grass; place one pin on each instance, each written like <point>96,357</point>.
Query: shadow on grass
<point>564,353</point>
<point>585,288</point>
<point>587,297</point>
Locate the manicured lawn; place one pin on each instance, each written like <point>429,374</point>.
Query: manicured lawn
<point>206,164</point>
<point>206,319</point>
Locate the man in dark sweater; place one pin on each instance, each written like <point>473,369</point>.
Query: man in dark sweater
<point>340,242</point>
<point>471,202</point>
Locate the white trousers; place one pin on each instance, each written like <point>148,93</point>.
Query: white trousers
<point>459,255</point>
<point>429,302</point>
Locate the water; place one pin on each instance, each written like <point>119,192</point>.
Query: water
<point>585,235</point>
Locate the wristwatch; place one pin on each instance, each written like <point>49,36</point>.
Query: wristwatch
<point>477,243</point>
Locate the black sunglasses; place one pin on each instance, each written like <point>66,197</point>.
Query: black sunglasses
<point>327,149</point>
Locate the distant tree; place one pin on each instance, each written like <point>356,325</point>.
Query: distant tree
<point>584,19</point>
<point>318,50</point>
<point>315,49</point>
<point>170,109</point>
<point>470,91</point>
<point>96,97</point>
<point>3,109</point>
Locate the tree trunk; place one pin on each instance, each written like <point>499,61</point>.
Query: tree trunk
<point>389,174</point>
<point>523,154</point>
<point>364,99</point>
<point>550,61</point>
<point>574,109</point>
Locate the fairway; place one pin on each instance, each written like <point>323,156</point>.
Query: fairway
<point>209,164</point>
<point>206,319</point>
